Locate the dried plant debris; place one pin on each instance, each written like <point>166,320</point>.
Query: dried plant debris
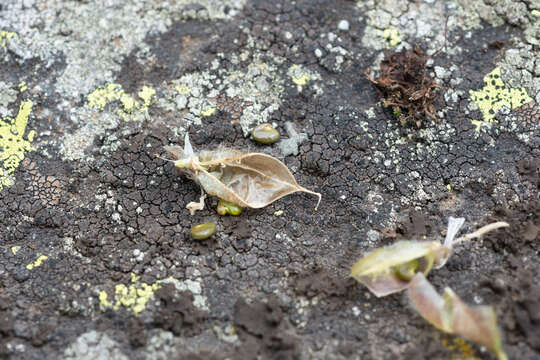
<point>389,269</point>
<point>450,314</point>
<point>406,87</point>
<point>405,264</point>
<point>251,180</point>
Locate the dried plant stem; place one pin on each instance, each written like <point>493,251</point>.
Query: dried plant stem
<point>318,195</point>
<point>483,230</point>
<point>194,206</point>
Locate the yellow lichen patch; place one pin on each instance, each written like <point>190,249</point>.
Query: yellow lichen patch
<point>15,249</point>
<point>103,299</point>
<point>461,349</point>
<point>146,95</point>
<point>182,89</point>
<point>13,145</point>
<point>135,278</point>
<point>302,80</point>
<point>392,36</point>
<point>127,102</point>
<point>299,75</point>
<point>495,94</point>
<point>477,124</point>
<point>109,93</point>
<point>5,36</point>
<point>134,297</point>
<point>105,94</point>
<point>37,263</point>
<point>209,112</point>
<point>23,87</point>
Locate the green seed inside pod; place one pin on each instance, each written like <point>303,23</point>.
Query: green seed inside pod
<point>225,207</point>
<point>265,134</point>
<point>406,271</point>
<point>203,231</point>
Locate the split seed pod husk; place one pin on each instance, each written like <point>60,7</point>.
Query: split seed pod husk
<point>380,270</point>
<point>450,314</point>
<point>251,180</point>
<point>376,270</point>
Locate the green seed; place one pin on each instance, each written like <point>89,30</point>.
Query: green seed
<point>406,271</point>
<point>203,231</point>
<point>225,207</point>
<point>265,134</point>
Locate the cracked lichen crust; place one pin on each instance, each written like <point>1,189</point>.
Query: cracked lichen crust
<point>395,24</point>
<point>250,92</point>
<point>94,345</point>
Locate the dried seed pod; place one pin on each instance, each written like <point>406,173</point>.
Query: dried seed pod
<point>251,180</point>
<point>228,208</point>
<point>203,231</point>
<point>265,134</point>
<point>389,269</point>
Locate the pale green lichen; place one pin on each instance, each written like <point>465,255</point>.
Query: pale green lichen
<point>255,90</point>
<point>37,263</point>
<point>494,95</point>
<point>13,145</point>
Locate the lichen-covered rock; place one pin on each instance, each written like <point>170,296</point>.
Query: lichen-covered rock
<point>111,82</point>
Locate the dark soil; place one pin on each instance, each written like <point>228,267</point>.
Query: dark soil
<point>264,331</point>
<point>178,314</point>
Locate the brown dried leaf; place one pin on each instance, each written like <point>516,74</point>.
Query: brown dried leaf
<point>450,314</point>
<point>250,180</point>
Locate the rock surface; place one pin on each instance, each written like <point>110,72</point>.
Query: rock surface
<point>96,258</point>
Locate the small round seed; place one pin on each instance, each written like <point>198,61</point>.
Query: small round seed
<point>225,207</point>
<point>406,271</point>
<point>203,231</point>
<point>265,134</point>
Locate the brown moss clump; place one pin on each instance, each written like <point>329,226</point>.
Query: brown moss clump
<point>406,87</point>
